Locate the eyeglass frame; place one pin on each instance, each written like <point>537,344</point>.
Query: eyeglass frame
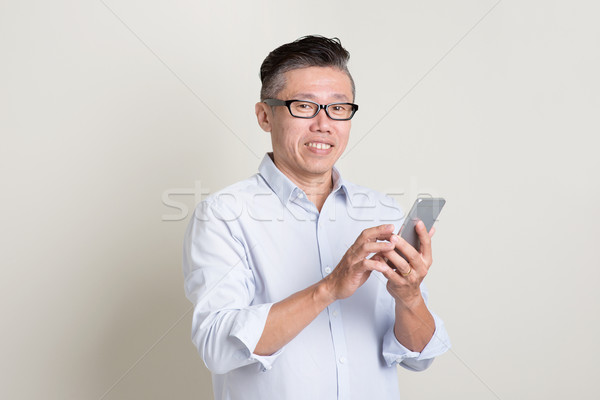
<point>287,103</point>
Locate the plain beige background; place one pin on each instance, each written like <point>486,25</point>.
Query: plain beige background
<point>111,110</point>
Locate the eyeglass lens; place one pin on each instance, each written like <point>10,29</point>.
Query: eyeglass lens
<point>307,109</point>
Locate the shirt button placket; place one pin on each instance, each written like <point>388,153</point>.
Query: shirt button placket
<point>335,320</point>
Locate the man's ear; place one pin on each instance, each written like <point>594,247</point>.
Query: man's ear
<point>263,116</point>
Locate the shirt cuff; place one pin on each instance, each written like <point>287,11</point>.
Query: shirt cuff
<point>248,328</point>
<point>395,353</point>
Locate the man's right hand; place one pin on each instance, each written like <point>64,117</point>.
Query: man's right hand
<point>354,268</point>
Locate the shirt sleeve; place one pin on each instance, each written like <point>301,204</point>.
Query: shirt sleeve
<point>395,353</point>
<point>226,326</point>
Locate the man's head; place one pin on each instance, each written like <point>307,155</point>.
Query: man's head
<point>308,51</point>
<point>314,69</point>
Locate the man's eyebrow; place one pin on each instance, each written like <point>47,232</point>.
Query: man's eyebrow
<point>310,96</point>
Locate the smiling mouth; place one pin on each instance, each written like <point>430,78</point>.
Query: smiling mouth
<point>320,146</point>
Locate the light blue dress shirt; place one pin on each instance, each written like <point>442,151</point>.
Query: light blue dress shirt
<point>257,242</point>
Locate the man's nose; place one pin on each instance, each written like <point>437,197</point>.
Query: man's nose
<point>322,120</point>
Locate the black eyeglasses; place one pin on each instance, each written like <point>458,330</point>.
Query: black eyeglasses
<point>310,109</point>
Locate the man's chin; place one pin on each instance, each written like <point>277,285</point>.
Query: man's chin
<point>320,168</point>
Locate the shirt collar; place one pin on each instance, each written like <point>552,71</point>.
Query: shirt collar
<point>283,187</point>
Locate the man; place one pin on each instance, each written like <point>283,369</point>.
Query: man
<point>288,303</point>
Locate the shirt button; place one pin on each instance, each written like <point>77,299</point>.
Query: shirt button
<point>342,360</point>
<point>327,270</point>
<point>334,313</point>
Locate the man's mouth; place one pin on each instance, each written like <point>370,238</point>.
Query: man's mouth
<point>318,145</point>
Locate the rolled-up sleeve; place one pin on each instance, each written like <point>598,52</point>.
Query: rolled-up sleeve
<point>395,353</point>
<point>226,326</point>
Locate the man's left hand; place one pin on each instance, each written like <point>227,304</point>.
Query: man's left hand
<point>404,282</point>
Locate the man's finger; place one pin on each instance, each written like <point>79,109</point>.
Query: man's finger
<point>380,232</point>
<point>367,248</point>
<point>397,261</point>
<point>392,276</point>
<point>377,264</point>
<point>425,240</point>
<point>409,252</point>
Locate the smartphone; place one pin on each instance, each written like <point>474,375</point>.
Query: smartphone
<point>425,209</point>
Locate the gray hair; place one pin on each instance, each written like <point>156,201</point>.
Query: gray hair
<point>308,51</point>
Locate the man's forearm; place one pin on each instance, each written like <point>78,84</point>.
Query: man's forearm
<point>290,316</point>
<point>414,326</point>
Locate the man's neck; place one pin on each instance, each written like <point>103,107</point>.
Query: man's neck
<point>317,189</point>
<point>316,186</point>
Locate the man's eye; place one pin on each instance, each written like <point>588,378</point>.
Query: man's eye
<point>340,108</point>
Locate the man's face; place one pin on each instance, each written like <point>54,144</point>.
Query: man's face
<point>305,149</point>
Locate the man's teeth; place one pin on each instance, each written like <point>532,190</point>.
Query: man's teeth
<point>320,146</point>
